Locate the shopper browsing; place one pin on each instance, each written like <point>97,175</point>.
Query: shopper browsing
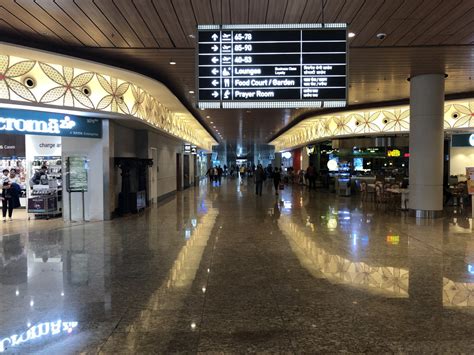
<point>36,179</point>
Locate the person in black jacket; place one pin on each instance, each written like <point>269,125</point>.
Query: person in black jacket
<point>259,178</point>
<point>10,199</point>
<point>276,179</point>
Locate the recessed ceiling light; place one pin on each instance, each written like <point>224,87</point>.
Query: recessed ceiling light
<point>212,122</point>
<point>172,62</point>
<point>191,91</point>
<point>208,116</point>
<point>351,34</point>
<point>191,36</point>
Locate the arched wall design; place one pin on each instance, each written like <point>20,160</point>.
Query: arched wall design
<point>46,83</point>
<point>458,115</point>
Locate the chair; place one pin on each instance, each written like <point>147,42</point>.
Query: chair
<point>387,195</point>
<point>378,194</point>
<point>395,198</point>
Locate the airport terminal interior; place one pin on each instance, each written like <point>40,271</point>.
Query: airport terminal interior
<point>236,176</point>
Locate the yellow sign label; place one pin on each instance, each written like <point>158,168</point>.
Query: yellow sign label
<point>393,153</point>
<point>393,239</point>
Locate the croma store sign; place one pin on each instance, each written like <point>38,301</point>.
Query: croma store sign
<point>52,126</point>
<point>46,123</point>
<point>42,330</point>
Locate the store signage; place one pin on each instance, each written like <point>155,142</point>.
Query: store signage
<point>310,149</point>
<point>244,66</point>
<point>193,150</point>
<point>48,123</point>
<point>187,148</point>
<point>462,140</point>
<point>37,331</point>
<point>393,153</point>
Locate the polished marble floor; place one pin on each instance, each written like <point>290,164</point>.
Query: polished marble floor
<point>218,269</point>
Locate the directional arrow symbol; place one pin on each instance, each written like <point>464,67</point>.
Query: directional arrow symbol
<point>215,93</point>
<point>214,48</point>
<point>214,60</point>
<point>214,71</point>
<point>214,37</point>
<point>215,82</point>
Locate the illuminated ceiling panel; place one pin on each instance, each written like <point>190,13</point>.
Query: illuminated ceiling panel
<point>458,115</point>
<point>59,82</point>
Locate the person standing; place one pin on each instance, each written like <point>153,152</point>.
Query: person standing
<point>259,178</point>
<point>276,180</point>
<point>219,174</point>
<point>209,173</point>
<point>10,199</point>
<point>4,176</point>
<point>311,174</point>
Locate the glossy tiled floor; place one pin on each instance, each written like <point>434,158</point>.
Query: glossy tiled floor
<point>219,269</point>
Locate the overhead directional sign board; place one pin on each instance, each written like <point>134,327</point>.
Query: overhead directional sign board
<point>271,66</point>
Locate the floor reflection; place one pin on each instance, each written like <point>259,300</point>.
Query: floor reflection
<point>388,280</point>
<point>218,269</point>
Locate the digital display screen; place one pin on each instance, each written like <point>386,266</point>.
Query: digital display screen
<point>271,66</point>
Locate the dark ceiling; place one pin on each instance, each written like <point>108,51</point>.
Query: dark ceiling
<point>423,36</point>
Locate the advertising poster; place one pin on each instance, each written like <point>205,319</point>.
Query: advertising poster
<point>77,169</point>
<point>470,180</point>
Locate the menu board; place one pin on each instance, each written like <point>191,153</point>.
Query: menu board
<point>77,171</point>
<point>271,66</point>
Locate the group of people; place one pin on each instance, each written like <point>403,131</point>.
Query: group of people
<point>215,174</point>
<point>261,175</point>
<point>10,193</point>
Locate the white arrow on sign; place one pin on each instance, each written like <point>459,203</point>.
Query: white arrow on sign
<point>214,37</point>
<point>214,71</point>
<point>215,82</point>
<point>214,60</point>
<point>215,93</point>
<point>214,48</point>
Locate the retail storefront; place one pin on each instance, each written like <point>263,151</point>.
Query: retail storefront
<point>461,155</point>
<point>58,159</point>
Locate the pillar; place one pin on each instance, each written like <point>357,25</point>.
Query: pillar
<point>426,145</point>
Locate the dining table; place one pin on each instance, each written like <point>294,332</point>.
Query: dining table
<point>404,196</point>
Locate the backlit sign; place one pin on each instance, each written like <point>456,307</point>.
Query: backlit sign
<point>42,330</point>
<point>271,66</point>
<point>48,123</point>
<point>393,153</point>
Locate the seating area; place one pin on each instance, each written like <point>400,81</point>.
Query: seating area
<point>390,194</point>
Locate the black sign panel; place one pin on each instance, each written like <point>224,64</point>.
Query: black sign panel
<point>245,66</point>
